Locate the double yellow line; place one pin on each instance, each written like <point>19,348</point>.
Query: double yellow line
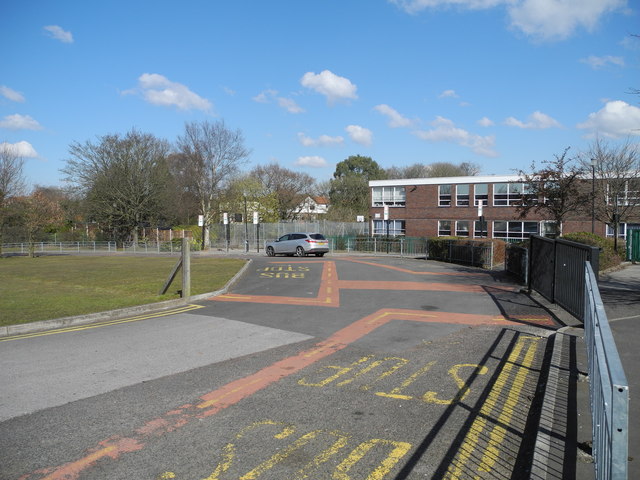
<point>485,459</point>
<point>107,323</point>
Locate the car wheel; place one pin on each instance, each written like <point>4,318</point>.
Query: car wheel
<point>320,254</point>
<point>270,252</point>
<point>300,251</point>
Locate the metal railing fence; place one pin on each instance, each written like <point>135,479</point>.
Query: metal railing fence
<point>556,271</point>
<point>465,252</point>
<point>58,247</point>
<point>608,387</point>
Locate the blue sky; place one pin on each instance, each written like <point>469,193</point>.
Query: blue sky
<point>499,83</point>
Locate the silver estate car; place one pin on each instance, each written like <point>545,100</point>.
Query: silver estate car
<point>299,244</point>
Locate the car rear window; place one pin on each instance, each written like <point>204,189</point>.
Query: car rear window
<point>317,236</point>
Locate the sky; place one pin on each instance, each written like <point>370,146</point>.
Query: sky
<point>498,83</point>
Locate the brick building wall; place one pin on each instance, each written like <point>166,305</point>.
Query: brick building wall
<point>421,212</point>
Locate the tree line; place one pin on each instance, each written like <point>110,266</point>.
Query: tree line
<point>120,183</point>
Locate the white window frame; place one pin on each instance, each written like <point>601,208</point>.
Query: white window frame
<point>511,233</point>
<point>460,231</point>
<point>462,199</point>
<point>389,196</point>
<point>440,229</point>
<point>480,197</point>
<point>513,195</point>
<point>444,199</point>
<point>397,227</point>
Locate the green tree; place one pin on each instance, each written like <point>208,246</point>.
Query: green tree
<point>123,180</point>
<point>349,190</point>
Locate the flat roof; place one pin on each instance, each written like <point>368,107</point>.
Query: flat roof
<point>445,180</point>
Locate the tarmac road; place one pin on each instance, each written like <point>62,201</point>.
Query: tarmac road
<point>336,368</point>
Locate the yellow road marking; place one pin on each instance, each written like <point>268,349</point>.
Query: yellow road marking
<point>472,438</point>
<point>107,323</point>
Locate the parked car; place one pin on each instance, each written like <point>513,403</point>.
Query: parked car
<point>299,244</point>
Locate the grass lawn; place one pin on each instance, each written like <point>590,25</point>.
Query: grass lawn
<point>50,287</point>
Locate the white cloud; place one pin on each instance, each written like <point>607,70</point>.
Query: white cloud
<point>330,85</point>
<point>415,6</point>
<point>360,135</point>
<point>486,122</point>
<point>268,96</point>
<point>290,105</point>
<point>321,141</point>
<point>21,149</point>
<point>616,119</point>
<point>11,94</point>
<point>600,62</point>
<point>265,96</point>
<point>313,161</point>
<point>540,19</point>
<point>445,131</point>
<point>536,121</point>
<point>559,19</point>
<point>448,94</point>
<point>159,90</point>
<point>20,122</point>
<point>396,120</point>
<point>54,31</point>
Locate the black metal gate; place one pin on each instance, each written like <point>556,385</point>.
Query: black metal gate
<point>556,271</point>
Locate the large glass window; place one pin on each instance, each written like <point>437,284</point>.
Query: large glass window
<point>444,195</point>
<point>462,195</point>
<point>396,227</point>
<point>514,230</point>
<point>481,194</point>
<point>444,228</point>
<point>391,196</point>
<point>462,228</point>
<point>508,194</point>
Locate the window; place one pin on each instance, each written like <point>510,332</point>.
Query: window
<point>444,196</point>
<point>391,196</point>
<point>629,194</point>
<point>514,230</point>
<point>444,228</point>
<point>396,227</point>
<point>462,228</point>
<point>549,228</point>
<point>508,194</point>
<point>623,228</point>
<point>480,228</point>
<point>462,195</point>
<point>481,194</point>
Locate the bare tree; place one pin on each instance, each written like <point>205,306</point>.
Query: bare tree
<point>556,189</point>
<point>616,178</point>
<point>212,154</point>
<point>437,169</point>
<point>12,181</point>
<point>123,180</point>
<point>289,188</point>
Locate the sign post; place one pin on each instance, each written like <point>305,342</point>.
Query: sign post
<point>256,222</point>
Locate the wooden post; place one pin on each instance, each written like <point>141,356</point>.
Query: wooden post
<point>186,268</point>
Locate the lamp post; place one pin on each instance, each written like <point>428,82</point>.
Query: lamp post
<point>593,195</point>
